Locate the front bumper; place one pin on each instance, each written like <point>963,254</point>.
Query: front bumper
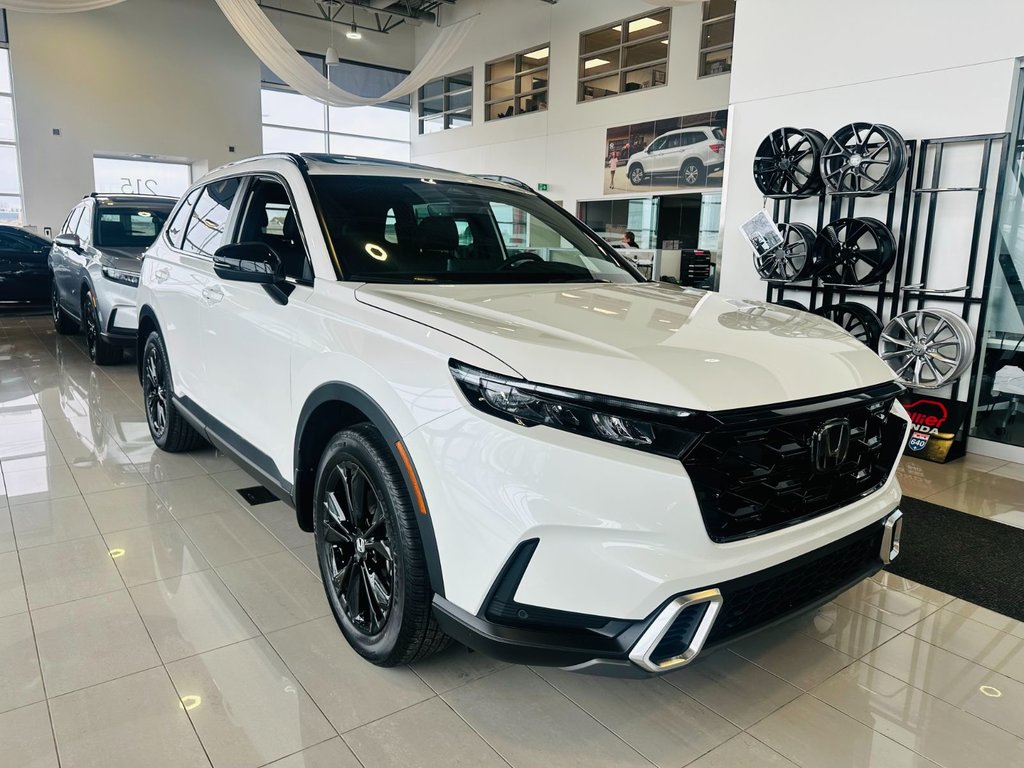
<point>689,624</point>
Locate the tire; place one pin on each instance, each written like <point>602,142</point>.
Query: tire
<point>692,173</point>
<point>370,554</point>
<point>100,352</point>
<point>62,324</point>
<point>636,174</point>
<point>167,427</point>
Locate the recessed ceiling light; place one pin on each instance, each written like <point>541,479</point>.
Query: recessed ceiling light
<point>591,63</point>
<point>539,54</point>
<point>645,23</point>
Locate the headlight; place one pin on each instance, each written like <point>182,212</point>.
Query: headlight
<point>121,276</point>
<point>637,425</point>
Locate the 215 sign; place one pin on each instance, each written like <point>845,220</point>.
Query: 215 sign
<point>138,186</point>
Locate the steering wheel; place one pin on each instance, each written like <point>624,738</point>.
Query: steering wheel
<point>521,258</point>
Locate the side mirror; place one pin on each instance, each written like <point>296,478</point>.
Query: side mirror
<point>248,263</point>
<point>69,240</point>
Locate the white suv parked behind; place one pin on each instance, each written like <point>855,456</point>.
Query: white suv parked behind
<point>688,155</point>
<point>497,431</point>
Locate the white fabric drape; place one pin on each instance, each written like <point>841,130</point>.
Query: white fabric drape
<point>270,46</point>
<point>56,6</point>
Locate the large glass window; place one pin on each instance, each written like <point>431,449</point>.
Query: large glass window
<point>446,102</point>
<point>399,230</point>
<point>626,56</point>
<point>716,37</point>
<point>119,175</point>
<point>296,123</point>
<point>517,84</point>
<point>11,209</point>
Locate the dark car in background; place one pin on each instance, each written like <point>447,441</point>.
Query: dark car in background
<point>24,271</point>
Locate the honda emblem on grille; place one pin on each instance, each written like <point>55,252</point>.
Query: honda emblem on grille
<point>830,444</point>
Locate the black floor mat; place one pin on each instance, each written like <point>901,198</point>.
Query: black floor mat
<point>256,495</point>
<point>972,558</point>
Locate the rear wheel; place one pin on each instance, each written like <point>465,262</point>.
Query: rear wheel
<point>692,173</point>
<point>63,324</point>
<point>371,557</point>
<point>100,351</point>
<point>167,427</point>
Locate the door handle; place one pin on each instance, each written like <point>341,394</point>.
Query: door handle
<point>161,274</point>
<point>213,293</point>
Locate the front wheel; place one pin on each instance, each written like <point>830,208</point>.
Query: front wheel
<point>100,351</point>
<point>636,175</point>
<point>371,557</point>
<point>62,324</point>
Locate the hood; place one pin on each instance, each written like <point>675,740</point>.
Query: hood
<point>128,259</point>
<point>651,342</point>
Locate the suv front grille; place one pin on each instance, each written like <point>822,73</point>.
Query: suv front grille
<point>754,471</point>
<point>767,596</point>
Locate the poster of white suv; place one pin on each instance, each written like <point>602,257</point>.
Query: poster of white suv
<point>688,155</point>
<point>498,432</point>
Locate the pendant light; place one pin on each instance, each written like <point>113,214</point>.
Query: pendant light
<point>331,57</point>
<point>354,33</point>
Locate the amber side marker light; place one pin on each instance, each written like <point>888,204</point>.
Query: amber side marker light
<point>412,477</point>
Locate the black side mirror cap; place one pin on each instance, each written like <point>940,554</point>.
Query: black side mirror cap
<point>248,263</point>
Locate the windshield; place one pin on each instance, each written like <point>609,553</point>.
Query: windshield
<point>129,227</point>
<point>399,230</point>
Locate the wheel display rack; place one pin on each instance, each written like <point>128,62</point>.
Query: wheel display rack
<point>911,212</point>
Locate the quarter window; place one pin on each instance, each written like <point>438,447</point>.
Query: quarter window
<point>205,231</point>
<point>626,56</point>
<point>716,35</point>
<point>517,84</point>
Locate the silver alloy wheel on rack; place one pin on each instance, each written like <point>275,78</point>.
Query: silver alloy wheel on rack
<point>927,348</point>
<point>793,259</point>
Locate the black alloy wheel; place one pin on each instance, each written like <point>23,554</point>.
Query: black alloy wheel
<point>856,319</point>
<point>786,163</point>
<point>854,252</point>
<point>863,159</point>
<point>62,324</point>
<point>100,352</point>
<point>793,259</point>
<point>369,550</point>
<point>791,304</point>
<point>167,427</point>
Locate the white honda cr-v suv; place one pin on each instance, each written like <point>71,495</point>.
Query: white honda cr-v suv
<point>499,432</point>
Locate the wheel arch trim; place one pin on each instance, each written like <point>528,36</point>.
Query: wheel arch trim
<point>305,477</point>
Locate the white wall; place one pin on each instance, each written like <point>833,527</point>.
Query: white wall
<point>159,77</point>
<point>933,68</point>
<point>564,146</point>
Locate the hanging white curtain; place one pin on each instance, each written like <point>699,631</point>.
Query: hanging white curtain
<point>56,6</point>
<point>280,56</point>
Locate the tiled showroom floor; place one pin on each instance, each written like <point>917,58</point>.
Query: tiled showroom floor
<point>149,618</point>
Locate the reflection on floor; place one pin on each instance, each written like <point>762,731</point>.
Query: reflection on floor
<point>149,618</point>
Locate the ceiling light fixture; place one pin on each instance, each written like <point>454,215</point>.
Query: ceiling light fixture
<point>591,63</point>
<point>539,54</point>
<point>644,23</point>
<point>331,57</point>
<point>354,33</point>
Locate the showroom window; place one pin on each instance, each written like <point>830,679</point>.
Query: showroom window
<point>517,84</point>
<point>446,102</point>
<point>129,176</point>
<point>716,37</point>
<point>10,175</point>
<point>626,56</point>
<point>296,123</point>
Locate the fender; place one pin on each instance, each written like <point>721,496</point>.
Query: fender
<point>363,407</point>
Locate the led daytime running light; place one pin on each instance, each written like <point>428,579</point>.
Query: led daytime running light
<point>121,276</point>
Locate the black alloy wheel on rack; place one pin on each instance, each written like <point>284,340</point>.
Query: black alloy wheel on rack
<point>863,159</point>
<point>793,260</point>
<point>856,319</point>
<point>787,163</point>
<point>854,252</point>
